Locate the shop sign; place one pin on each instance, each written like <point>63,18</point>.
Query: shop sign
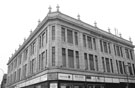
<point>108,80</point>
<point>79,77</point>
<point>64,76</point>
<point>115,80</point>
<point>43,78</point>
<point>123,80</point>
<point>53,85</point>
<point>99,79</point>
<point>90,78</point>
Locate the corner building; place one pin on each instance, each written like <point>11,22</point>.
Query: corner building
<point>64,52</point>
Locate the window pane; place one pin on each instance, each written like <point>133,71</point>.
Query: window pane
<point>63,57</point>
<point>70,36</point>
<point>53,56</point>
<point>91,61</point>
<point>71,58</point>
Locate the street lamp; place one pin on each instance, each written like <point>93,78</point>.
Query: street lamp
<point>127,74</point>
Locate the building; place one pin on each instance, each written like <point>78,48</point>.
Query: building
<point>4,80</point>
<point>64,52</point>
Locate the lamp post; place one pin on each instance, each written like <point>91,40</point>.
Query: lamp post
<point>127,74</point>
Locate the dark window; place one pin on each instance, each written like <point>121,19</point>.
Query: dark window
<point>89,39</point>
<point>120,65</point>
<point>43,38</point>
<point>25,54</point>
<point>63,34</point>
<point>91,61</point>
<point>53,56</point>
<point>130,69</point>
<point>118,50</point>
<point>103,63</point>
<point>121,53</point>
<point>32,66</point>
<point>124,68</point>
<point>131,54</point>
<point>105,47</point>
<point>94,43</point>
<point>70,58</point>
<point>107,65</point>
<point>84,40</point>
<point>96,61</point>
<point>114,49</point>
<point>101,46</point>
<point>69,36</point>
<point>133,68</point>
<point>109,48</point>
<point>111,65</point>
<point>53,32</point>
<point>46,35</point>
<point>127,53</point>
<point>40,38</point>
<point>76,38</point>
<point>77,59</point>
<point>117,67</point>
<point>46,59</point>
<point>63,57</point>
<point>86,61</point>
<point>42,60</point>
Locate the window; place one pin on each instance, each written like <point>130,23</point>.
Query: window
<point>103,63</point>
<point>121,53</point>
<point>32,66</point>
<point>25,54</point>
<point>94,43</point>
<point>76,38</point>
<point>70,58</point>
<point>53,32</point>
<point>86,61</point>
<point>109,48</point>
<point>69,36</point>
<point>15,63</point>
<point>63,34</point>
<point>24,70</point>
<point>63,57</point>
<point>89,39</point>
<point>19,74</point>
<point>39,61</point>
<point>33,48</point>
<point>117,66</point>
<point>130,69</point>
<point>101,46</point>
<point>105,47</point>
<point>107,65</point>
<point>91,61</point>
<point>46,35</point>
<point>114,49</point>
<point>111,65</point>
<point>133,68</point>
<point>43,60</point>
<point>77,59</point>
<point>127,53</point>
<point>124,67</point>
<point>96,61</point>
<point>46,59</point>
<point>131,54</point>
<point>53,56</point>
<point>118,50</point>
<point>43,38</point>
<point>19,59</point>
<point>40,38</point>
<point>120,65</point>
<point>84,40</point>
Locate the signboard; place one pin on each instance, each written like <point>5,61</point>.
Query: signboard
<point>64,76</point>
<point>90,78</point>
<point>53,85</point>
<point>43,78</point>
<point>115,80</point>
<point>109,80</point>
<point>79,77</point>
<point>100,79</point>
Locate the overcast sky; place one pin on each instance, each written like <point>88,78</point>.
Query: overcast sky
<point>18,17</point>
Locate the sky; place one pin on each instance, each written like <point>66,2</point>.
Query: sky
<point>18,17</point>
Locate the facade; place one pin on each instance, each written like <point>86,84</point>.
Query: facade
<point>4,80</point>
<point>64,52</point>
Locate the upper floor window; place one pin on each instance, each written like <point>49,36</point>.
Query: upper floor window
<point>86,61</point>
<point>53,56</point>
<point>77,59</point>
<point>63,36</point>
<point>33,48</point>
<point>63,57</point>
<point>127,53</point>
<point>131,54</point>
<point>76,38</point>
<point>105,47</point>
<point>89,39</point>
<point>130,69</point>
<point>101,45</point>
<point>91,61</point>
<point>53,32</point>
<point>94,43</point>
<point>70,58</point>
<point>84,40</point>
<point>69,36</point>
<point>107,64</point>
